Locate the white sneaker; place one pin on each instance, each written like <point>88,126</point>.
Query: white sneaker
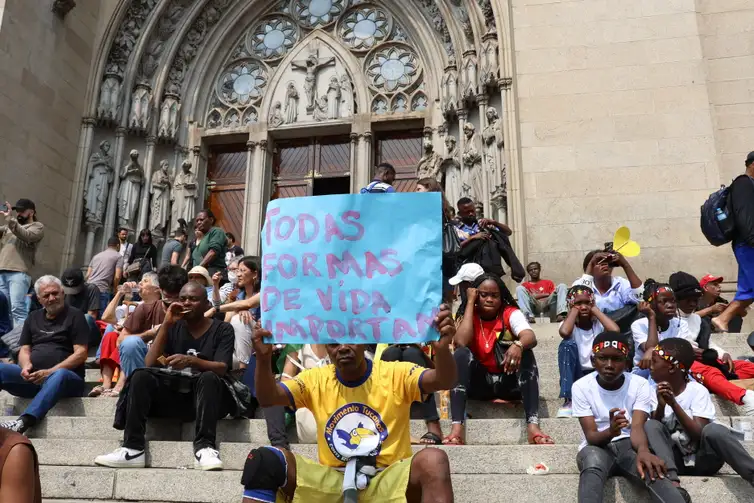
<point>748,403</point>
<point>16,425</point>
<point>207,459</point>
<point>565,411</point>
<point>122,457</point>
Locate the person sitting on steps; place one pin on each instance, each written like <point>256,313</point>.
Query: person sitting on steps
<point>362,413</point>
<point>541,295</point>
<point>682,431</point>
<point>661,322</point>
<point>494,357</point>
<point>712,304</point>
<point>613,407</point>
<point>578,331</point>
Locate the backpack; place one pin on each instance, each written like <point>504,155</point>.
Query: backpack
<point>716,219</point>
<point>376,188</point>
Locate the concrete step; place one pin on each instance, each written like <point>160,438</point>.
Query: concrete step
<point>470,459</point>
<point>163,485</point>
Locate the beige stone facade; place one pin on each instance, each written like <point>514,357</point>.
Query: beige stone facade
<point>612,112</point>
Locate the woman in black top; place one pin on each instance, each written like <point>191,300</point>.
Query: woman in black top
<point>143,253</point>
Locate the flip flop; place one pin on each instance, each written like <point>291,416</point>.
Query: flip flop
<point>430,438</point>
<point>541,436</point>
<point>453,440</point>
<point>96,391</point>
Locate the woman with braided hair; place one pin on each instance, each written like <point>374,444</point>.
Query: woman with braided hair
<point>583,323</point>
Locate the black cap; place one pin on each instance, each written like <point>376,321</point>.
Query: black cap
<point>24,204</point>
<point>749,159</point>
<point>685,285</point>
<point>73,281</point>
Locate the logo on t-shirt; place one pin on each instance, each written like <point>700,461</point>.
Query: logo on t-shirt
<point>353,430</point>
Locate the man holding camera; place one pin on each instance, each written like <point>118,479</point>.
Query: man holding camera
<point>19,238</point>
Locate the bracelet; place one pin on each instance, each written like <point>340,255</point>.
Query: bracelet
<point>217,304</point>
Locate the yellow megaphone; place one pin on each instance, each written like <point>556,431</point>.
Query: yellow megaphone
<point>623,244</point>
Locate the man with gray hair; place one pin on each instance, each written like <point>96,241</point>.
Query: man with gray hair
<point>51,360</point>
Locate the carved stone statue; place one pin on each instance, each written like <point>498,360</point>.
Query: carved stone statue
<point>333,98</point>
<point>320,112</point>
<point>109,97</point>
<point>129,192</point>
<point>490,64</point>
<point>470,78</point>
<point>492,138</point>
<point>429,164</point>
<point>449,87</point>
<point>276,116</point>
<point>168,125</point>
<point>472,164</point>
<point>101,175</point>
<point>346,96</point>
<point>312,65</point>
<point>140,105</point>
<point>184,195</point>
<point>160,190</point>
<point>452,169</point>
<point>291,103</point>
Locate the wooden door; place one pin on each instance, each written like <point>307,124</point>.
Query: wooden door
<point>403,150</point>
<point>226,183</point>
<point>296,163</point>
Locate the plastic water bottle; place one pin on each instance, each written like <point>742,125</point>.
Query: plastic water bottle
<point>720,215</point>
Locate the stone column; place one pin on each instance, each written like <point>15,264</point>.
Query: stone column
<point>257,198</point>
<point>112,200</point>
<point>507,173</point>
<point>89,248</point>
<point>148,168</point>
<point>354,161</point>
<point>251,147</point>
<point>462,115</point>
<point>77,191</point>
<point>487,186</point>
<point>365,160</point>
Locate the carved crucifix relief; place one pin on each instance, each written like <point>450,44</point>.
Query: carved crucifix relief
<point>312,65</point>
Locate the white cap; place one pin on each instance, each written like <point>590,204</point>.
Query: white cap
<point>467,272</point>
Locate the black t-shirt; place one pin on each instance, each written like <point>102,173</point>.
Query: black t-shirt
<point>86,300</point>
<point>742,204</point>
<point>52,340</point>
<point>216,344</point>
<point>236,250</point>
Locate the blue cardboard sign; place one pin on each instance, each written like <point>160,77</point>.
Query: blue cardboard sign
<point>355,269</point>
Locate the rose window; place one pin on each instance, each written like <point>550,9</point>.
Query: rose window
<point>242,83</point>
<point>364,27</point>
<point>317,13</point>
<point>392,68</point>
<point>274,37</point>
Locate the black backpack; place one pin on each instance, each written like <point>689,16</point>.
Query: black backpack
<point>716,220</point>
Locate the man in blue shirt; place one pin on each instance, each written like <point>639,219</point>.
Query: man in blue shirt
<point>383,180</point>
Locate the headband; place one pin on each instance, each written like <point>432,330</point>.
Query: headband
<point>573,292</point>
<point>623,348</point>
<point>658,291</point>
<point>671,359</point>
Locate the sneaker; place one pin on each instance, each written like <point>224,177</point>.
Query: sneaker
<point>207,459</point>
<point>16,425</point>
<point>122,457</point>
<point>747,406</point>
<point>566,410</point>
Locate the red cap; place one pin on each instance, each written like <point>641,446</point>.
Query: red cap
<point>709,279</point>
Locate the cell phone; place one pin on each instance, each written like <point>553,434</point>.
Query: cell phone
<point>4,207</point>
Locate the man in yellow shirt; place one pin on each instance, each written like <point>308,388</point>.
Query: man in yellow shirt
<point>362,409</point>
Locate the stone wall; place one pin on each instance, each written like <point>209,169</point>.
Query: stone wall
<point>44,71</point>
<point>617,127</point>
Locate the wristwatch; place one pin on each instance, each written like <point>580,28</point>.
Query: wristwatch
<point>519,344</point>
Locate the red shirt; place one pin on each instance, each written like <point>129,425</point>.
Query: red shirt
<point>485,334</point>
<point>541,286</point>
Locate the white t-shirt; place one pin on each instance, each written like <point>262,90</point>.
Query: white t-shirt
<point>591,399</point>
<point>695,402</point>
<point>691,324</point>
<point>640,331</point>
<point>584,340</point>
<point>120,312</point>
<point>518,322</point>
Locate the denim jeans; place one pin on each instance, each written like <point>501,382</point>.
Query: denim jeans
<point>554,305</point>
<point>717,447</point>
<point>104,300</point>
<point>569,365</point>
<point>15,286</point>
<point>62,383</point>
<point>596,464</point>
<point>132,352</point>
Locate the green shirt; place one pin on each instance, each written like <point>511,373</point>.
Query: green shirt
<point>214,240</point>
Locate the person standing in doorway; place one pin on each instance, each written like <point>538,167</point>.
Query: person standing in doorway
<point>19,238</point>
<point>741,202</point>
<point>383,180</point>
<point>105,271</point>
<point>210,251</point>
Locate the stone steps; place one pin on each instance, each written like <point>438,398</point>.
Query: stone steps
<point>162,485</point>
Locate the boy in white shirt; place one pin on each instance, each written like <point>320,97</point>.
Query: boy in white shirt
<point>613,407</point>
<point>661,322</point>
<point>682,431</point>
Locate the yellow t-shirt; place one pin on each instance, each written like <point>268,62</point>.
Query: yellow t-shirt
<point>365,418</point>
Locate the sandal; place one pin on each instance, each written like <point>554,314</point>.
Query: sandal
<point>430,438</point>
<point>541,439</point>
<point>96,391</point>
<point>110,393</point>
<point>453,440</point>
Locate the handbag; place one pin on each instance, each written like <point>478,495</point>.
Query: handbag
<point>451,245</point>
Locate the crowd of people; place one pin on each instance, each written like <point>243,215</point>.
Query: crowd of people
<point>180,337</point>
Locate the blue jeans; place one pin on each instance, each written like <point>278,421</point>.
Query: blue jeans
<point>554,305</point>
<point>569,366</point>
<point>104,300</point>
<point>132,352</point>
<point>62,383</point>
<point>15,286</point>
